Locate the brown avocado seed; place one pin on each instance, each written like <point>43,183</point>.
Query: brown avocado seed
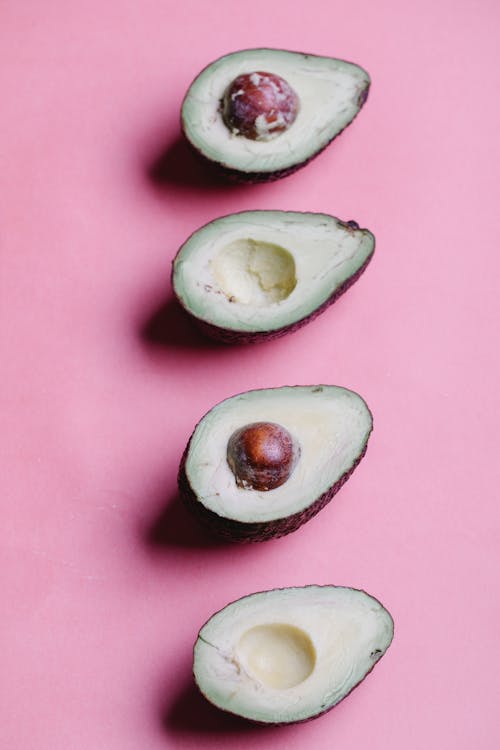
<point>259,106</point>
<point>262,455</point>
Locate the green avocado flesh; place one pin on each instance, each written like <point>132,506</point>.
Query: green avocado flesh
<point>331,92</point>
<point>330,426</point>
<point>262,271</point>
<point>287,655</point>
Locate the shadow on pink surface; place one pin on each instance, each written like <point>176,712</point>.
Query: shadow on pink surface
<point>177,165</point>
<point>191,714</point>
<point>169,326</point>
<point>174,526</point>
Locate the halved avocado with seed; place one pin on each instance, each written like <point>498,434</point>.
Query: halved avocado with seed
<point>261,114</point>
<point>262,463</point>
<point>257,275</point>
<point>289,655</point>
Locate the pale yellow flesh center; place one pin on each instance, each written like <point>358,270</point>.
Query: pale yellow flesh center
<point>277,655</point>
<point>255,273</point>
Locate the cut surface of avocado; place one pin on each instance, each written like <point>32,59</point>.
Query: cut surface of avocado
<point>257,272</point>
<point>330,92</point>
<point>330,426</point>
<point>288,655</point>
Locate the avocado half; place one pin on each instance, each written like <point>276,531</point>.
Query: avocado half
<point>330,427</point>
<point>289,655</point>
<point>257,275</point>
<point>330,92</point>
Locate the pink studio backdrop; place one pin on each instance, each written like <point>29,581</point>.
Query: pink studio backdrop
<point>104,580</point>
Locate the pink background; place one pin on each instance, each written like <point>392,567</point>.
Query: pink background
<point>104,580</point>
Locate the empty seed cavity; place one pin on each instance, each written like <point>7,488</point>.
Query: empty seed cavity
<point>256,273</point>
<point>277,655</point>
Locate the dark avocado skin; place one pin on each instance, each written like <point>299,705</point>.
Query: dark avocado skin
<point>228,336</point>
<point>236,531</point>
<point>321,712</point>
<point>231,174</point>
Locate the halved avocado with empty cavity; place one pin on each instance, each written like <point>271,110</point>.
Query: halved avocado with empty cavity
<point>257,275</point>
<point>261,114</point>
<point>262,463</point>
<point>289,655</point>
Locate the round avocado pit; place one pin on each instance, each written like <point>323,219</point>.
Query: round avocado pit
<point>261,455</point>
<point>259,106</point>
<point>279,656</point>
<point>255,273</point>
